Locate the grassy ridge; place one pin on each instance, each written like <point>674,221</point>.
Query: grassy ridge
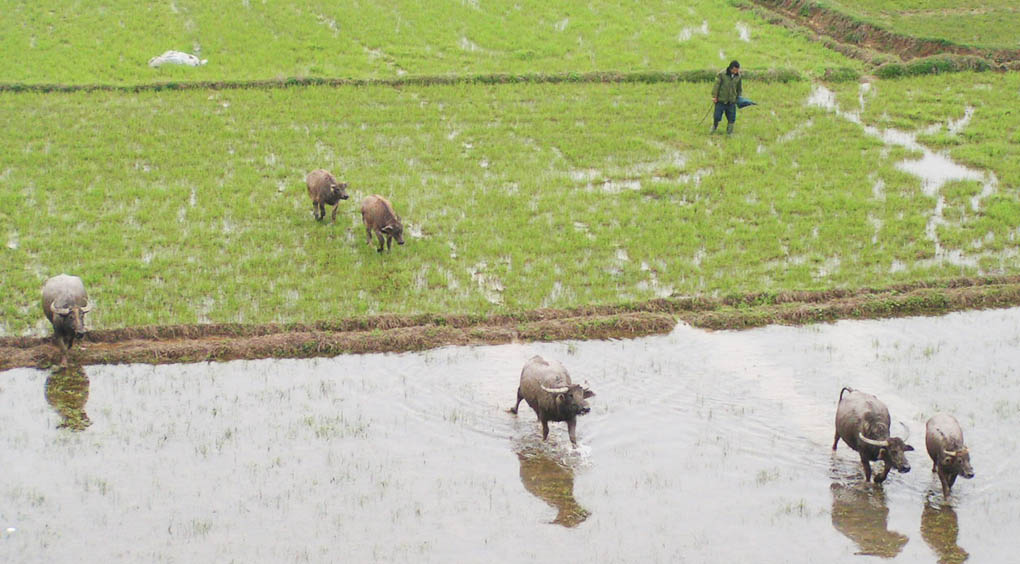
<point>982,23</point>
<point>183,207</point>
<point>89,42</point>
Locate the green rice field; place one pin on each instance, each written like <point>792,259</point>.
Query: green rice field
<point>189,206</point>
<point>984,23</point>
<point>88,42</point>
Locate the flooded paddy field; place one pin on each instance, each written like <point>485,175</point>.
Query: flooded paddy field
<point>700,447</point>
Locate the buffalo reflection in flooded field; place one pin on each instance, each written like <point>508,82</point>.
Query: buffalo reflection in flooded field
<point>860,513</point>
<point>553,483</point>
<point>939,528</point>
<point>67,391</point>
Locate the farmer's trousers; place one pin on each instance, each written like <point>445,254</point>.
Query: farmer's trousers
<point>729,109</point>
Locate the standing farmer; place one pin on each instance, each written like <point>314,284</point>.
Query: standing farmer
<point>725,93</point>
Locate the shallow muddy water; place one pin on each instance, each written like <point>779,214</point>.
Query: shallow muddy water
<point>700,447</point>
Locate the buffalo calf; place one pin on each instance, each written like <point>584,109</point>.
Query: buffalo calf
<point>950,456</point>
<point>379,218</point>
<point>324,190</point>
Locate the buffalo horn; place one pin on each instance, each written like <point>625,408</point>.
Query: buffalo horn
<point>556,390</point>
<point>62,310</point>
<point>872,442</point>
<point>87,308</point>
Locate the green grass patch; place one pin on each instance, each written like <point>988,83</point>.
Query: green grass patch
<point>90,42</point>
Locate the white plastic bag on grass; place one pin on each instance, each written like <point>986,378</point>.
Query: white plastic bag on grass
<point>177,58</point>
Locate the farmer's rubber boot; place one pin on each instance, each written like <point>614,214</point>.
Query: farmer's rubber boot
<point>729,129</point>
<point>715,126</point>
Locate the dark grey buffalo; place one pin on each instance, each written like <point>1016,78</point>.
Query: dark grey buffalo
<point>379,218</point>
<point>547,388</point>
<point>862,421</point>
<point>944,440</point>
<point>325,190</point>
<point>65,304</point>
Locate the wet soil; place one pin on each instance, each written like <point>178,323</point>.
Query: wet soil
<point>857,34</point>
<point>396,333</point>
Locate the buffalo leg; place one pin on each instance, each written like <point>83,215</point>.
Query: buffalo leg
<point>835,441</point>
<point>62,346</point>
<point>545,429</point>
<point>368,234</point>
<point>880,476</point>
<point>516,405</point>
<point>952,480</point>
<point>867,467</point>
<point>946,484</point>
<point>336,207</point>
<point>381,242</point>
<point>389,242</point>
<point>572,430</point>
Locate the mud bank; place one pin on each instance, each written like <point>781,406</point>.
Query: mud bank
<point>859,36</point>
<point>394,333</point>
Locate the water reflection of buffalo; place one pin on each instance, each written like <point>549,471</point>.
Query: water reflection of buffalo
<point>939,528</point>
<point>553,483</point>
<point>859,512</point>
<point>862,421</point>
<point>67,391</point>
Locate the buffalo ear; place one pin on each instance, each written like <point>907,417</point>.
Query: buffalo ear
<point>387,229</point>
<point>881,452</point>
<point>588,393</point>
<point>947,461</point>
<point>560,398</point>
<point>908,447</point>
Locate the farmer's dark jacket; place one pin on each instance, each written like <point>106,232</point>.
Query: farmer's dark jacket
<point>727,88</point>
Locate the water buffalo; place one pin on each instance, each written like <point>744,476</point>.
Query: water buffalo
<point>862,421</point>
<point>949,455</point>
<point>324,189</point>
<point>379,217</point>
<point>65,304</point>
<point>547,388</point>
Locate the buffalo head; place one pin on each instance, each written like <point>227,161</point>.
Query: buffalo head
<point>571,400</point>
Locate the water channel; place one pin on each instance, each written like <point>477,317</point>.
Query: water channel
<point>700,447</point>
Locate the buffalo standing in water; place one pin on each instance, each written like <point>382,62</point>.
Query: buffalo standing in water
<point>944,441</point>
<point>325,190</point>
<point>65,303</point>
<point>547,388</point>
<point>862,421</point>
<point>379,218</point>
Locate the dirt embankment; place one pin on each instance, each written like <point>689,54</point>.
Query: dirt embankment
<point>395,333</point>
<point>858,36</point>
